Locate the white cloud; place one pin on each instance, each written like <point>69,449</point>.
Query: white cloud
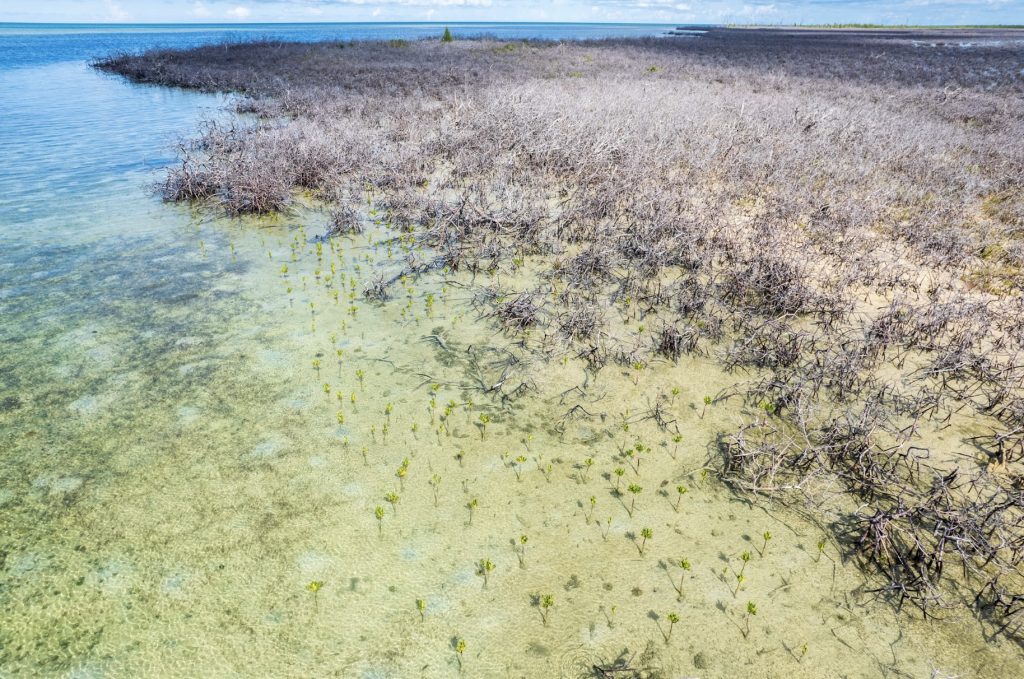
<point>115,12</point>
<point>239,12</point>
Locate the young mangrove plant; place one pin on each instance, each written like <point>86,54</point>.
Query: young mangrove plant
<point>587,464</point>
<point>379,513</point>
<point>521,550</point>
<point>401,473</point>
<point>740,577</point>
<point>634,489</point>
<point>485,419</point>
<point>672,618</point>
<point>676,440</point>
<point>460,648</point>
<point>392,499</point>
<point>645,535</point>
<point>618,472</point>
<point>751,611</point>
<point>766,536</point>
<point>593,504</point>
<point>707,401</point>
<point>471,505</point>
<point>546,602</point>
<point>484,568</point>
<point>314,587</point>
<point>684,565</point>
<point>680,492</point>
<point>517,466</point>
<point>821,550</point>
<point>421,606</point>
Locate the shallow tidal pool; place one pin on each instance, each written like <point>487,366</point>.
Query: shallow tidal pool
<point>198,433</point>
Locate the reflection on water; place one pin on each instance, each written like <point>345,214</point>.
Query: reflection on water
<point>200,418</point>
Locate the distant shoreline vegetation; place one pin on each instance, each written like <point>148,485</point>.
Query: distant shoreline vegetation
<point>925,27</point>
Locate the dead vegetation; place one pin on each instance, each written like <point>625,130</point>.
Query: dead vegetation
<point>837,217</point>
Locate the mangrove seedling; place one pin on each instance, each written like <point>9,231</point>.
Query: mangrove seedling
<point>521,550</point>
<point>484,421</point>
<point>676,440</point>
<point>379,513</point>
<point>400,473</point>
<point>684,564</point>
<point>366,456</point>
<point>484,568</point>
<point>707,402</point>
<point>766,536</point>
<point>672,618</point>
<point>680,492</point>
<point>645,535</point>
<point>745,558</point>
<point>327,389</point>
<point>421,606</point>
<point>546,602</point>
<point>517,466</point>
<point>593,505</point>
<point>460,648</point>
<point>587,464</point>
<point>435,483</point>
<point>635,490</point>
<point>392,499</point>
<point>471,505</point>
<point>606,528</point>
<point>618,471</point>
<point>675,392</point>
<point>447,36</point>
<point>314,587</point>
<point>630,457</point>
<point>821,550</point>
<point>546,471</point>
<point>341,417</point>
<point>751,611</point>
<point>360,375</point>
<point>316,364</point>
<point>740,578</point>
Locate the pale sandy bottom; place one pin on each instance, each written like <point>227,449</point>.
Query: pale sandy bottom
<point>174,476</point>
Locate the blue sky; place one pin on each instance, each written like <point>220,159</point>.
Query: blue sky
<point>671,11</point>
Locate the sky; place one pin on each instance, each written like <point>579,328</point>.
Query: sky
<point>656,11</point>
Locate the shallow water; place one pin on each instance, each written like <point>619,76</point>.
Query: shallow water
<point>184,454</point>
